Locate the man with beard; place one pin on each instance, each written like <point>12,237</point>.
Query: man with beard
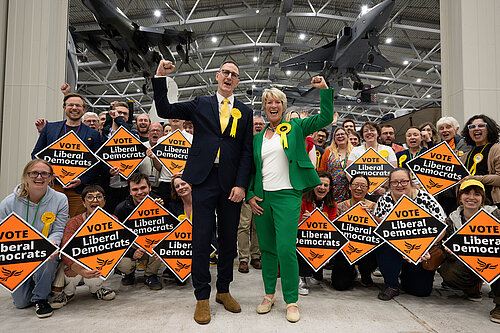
<point>151,166</point>
<point>387,137</point>
<point>143,122</point>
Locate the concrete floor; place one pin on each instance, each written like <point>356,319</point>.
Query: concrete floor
<point>136,308</point>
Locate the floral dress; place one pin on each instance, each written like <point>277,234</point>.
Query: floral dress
<point>340,184</point>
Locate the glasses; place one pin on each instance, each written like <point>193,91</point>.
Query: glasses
<point>226,73</point>
<point>91,121</point>
<point>361,186</point>
<point>399,182</point>
<point>35,174</point>
<point>474,126</point>
<point>91,198</point>
<point>70,105</point>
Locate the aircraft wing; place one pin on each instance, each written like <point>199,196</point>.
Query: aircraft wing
<point>167,36</point>
<point>313,60</point>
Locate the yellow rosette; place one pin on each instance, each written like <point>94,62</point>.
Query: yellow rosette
<point>384,153</point>
<point>47,218</point>
<point>402,158</point>
<point>477,159</point>
<point>182,217</point>
<point>283,130</point>
<point>236,114</point>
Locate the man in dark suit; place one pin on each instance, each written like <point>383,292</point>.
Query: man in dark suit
<point>74,107</point>
<point>218,167</point>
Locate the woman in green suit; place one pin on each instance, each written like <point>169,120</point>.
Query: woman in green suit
<point>283,171</point>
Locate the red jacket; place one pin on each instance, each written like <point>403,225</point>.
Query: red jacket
<point>330,212</point>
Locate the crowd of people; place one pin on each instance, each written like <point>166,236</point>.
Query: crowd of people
<point>246,186</point>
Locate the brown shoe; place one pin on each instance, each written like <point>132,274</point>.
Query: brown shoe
<point>256,263</point>
<point>243,268</point>
<point>202,312</point>
<point>229,303</point>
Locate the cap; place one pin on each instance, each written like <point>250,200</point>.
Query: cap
<point>471,182</point>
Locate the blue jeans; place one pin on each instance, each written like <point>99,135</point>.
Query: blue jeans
<point>37,287</point>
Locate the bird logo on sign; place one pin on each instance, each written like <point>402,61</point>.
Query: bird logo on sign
<point>483,265</point>
<point>7,273</point>
<point>411,247</point>
<point>181,266</point>
<point>315,255</point>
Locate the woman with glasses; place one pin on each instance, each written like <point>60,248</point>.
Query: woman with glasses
<point>483,161</point>
<point>414,279</point>
<point>47,211</point>
<point>343,273</point>
<point>334,161</point>
<point>74,273</point>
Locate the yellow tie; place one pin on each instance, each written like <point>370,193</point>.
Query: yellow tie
<point>224,114</point>
<point>224,118</point>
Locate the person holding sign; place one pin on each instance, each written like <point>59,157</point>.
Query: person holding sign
<point>370,132</point>
<point>414,279</point>
<point>334,160</point>
<point>413,142</point>
<point>92,197</point>
<point>219,165</point>
<point>455,274</point>
<point>321,197</point>
<point>282,172</point>
<point>47,211</point>
<point>483,161</point>
<point>343,273</point>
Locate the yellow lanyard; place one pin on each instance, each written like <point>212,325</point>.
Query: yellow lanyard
<point>477,158</point>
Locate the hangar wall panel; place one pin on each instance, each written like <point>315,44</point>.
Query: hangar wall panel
<point>34,69</point>
<point>470,41</point>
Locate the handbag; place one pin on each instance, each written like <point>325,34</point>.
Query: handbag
<point>436,259</point>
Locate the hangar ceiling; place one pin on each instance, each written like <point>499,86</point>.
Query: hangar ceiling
<point>257,34</point>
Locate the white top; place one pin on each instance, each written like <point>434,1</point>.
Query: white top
<point>220,98</point>
<point>360,150</point>
<point>275,169</point>
<point>164,173</point>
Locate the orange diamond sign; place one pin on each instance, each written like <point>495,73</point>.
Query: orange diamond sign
<point>477,245</point>
<point>438,169</point>
<point>99,243</point>
<point>151,222</point>
<point>410,229</point>
<point>358,226</point>
<point>318,240</point>
<point>69,157</point>
<point>23,250</point>
<point>372,165</point>
<point>173,151</point>
<point>175,250</point>
<point>122,150</point>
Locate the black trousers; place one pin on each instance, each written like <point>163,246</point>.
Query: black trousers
<point>344,274</point>
<point>209,198</point>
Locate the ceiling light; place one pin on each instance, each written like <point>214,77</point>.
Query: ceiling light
<point>348,107</point>
<point>302,36</point>
<point>253,86</point>
<point>138,90</point>
<point>288,72</point>
<point>257,11</point>
<point>406,62</point>
<point>385,101</point>
<point>428,96</point>
<point>388,40</point>
<point>214,39</point>
<point>157,13</point>
<point>419,80</point>
<point>255,59</point>
<point>364,9</point>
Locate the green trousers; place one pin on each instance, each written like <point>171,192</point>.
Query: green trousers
<point>277,233</point>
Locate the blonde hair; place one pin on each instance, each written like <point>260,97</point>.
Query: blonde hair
<point>24,190</point>
<point>273,93</point>
<point>288,116</point>
<point>333,146</point>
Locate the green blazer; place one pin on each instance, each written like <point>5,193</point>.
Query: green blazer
<point>303,175</point>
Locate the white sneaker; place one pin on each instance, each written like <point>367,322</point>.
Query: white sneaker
<point>303,287</point>
<point>60,300</point>
<point>104,294</point>
<point>313,281</point>
<point>377,273</point>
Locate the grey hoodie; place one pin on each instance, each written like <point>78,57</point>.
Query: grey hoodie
<point>454,221</point>
<point>53,201</point>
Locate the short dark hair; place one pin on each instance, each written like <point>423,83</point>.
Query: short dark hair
<point>92,188</point>
<point>229,62</point>
<point>371,124</point>
<point>349,121</point>
<point>467,190</point>
<point>492,129</point>
<point>74,95</point>
<point>360,176</point>
<point>387,125</point>
<point>123,104</point>
<point>137,177</point>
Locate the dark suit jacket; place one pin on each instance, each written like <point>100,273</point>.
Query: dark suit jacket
<point>235,161</point>
<point>89,136</point>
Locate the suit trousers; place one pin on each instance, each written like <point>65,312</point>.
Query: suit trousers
<point>248,245</point>
<point>208,199</point>
<point>277,231</point>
